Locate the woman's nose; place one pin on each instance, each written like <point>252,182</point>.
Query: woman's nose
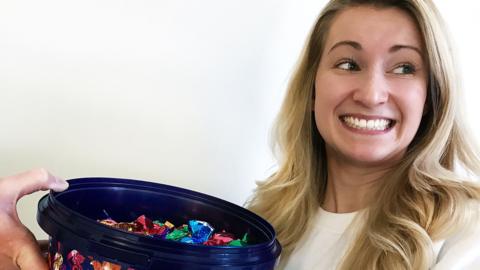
<point>373,91</point>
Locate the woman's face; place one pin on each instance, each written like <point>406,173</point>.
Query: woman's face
<point>370,87</point>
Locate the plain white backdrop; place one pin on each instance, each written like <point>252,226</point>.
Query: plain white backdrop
<point>178,92</point>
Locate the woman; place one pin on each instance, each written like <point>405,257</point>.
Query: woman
<point>369,136</point>
<point>369,133</point>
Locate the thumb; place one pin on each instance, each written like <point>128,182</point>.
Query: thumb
<point>16,186</point>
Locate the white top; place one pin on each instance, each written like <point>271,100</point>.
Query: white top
<point>324,246</point>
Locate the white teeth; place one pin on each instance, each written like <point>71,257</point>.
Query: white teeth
<point>363,123</point>
<point>377,124</point>
<point>370,124</point>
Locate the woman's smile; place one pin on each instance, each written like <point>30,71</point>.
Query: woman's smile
<point>370,125</point>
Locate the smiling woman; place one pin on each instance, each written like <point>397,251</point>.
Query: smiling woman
<point>370,135</point>
<point>370,87</point>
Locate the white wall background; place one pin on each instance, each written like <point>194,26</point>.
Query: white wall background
<point>175,91</point>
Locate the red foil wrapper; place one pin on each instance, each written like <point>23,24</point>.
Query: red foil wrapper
<point>220,239</point>
<point>150,228</point>
<point>76,259</point>
<point>158,230</point>
<point>146,223</point>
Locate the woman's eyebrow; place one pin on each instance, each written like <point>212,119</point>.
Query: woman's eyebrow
<point>401,47</point>
<point>351,43</point>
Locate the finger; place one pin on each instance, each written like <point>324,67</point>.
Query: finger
<point>31,258</point>
<point>28,182</point>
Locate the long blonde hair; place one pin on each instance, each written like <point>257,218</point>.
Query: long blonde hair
<point>424,199</point>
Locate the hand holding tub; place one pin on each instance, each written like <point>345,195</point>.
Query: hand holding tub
<point>18,247</point>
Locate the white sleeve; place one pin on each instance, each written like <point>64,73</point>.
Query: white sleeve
<point>461,251</point>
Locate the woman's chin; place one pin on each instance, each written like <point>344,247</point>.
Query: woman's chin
<point>371,158</point>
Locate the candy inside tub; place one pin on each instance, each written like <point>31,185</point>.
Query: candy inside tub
<point>79,241</point>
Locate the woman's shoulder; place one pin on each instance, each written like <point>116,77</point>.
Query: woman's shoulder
<point>462,249</point>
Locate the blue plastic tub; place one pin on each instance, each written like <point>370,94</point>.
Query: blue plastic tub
<point>78,241</point>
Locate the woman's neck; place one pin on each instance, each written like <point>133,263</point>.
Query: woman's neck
<point>350,187</point>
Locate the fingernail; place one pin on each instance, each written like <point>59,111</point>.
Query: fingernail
<point>59,185</point>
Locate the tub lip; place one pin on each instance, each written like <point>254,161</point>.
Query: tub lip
<point>58,209</point>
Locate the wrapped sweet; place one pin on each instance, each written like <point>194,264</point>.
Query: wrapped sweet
<point>196,232</point>
<point>201,231</point>
<point>240,242</point>
<point>178,233</point>
<point>220,239</point>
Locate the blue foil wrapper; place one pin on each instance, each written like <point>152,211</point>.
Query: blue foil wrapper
<point>187,240</point>
<point>201,231</point>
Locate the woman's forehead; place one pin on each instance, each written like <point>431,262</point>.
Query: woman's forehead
<point>374,27</point>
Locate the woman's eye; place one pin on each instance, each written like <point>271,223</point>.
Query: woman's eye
<point>404,69</point>
<point>348,65</point>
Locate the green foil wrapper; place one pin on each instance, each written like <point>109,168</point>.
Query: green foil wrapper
<point>178,233</point>
<point>240,242</point>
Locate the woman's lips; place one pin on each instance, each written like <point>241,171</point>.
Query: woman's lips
<point>369,124</point>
